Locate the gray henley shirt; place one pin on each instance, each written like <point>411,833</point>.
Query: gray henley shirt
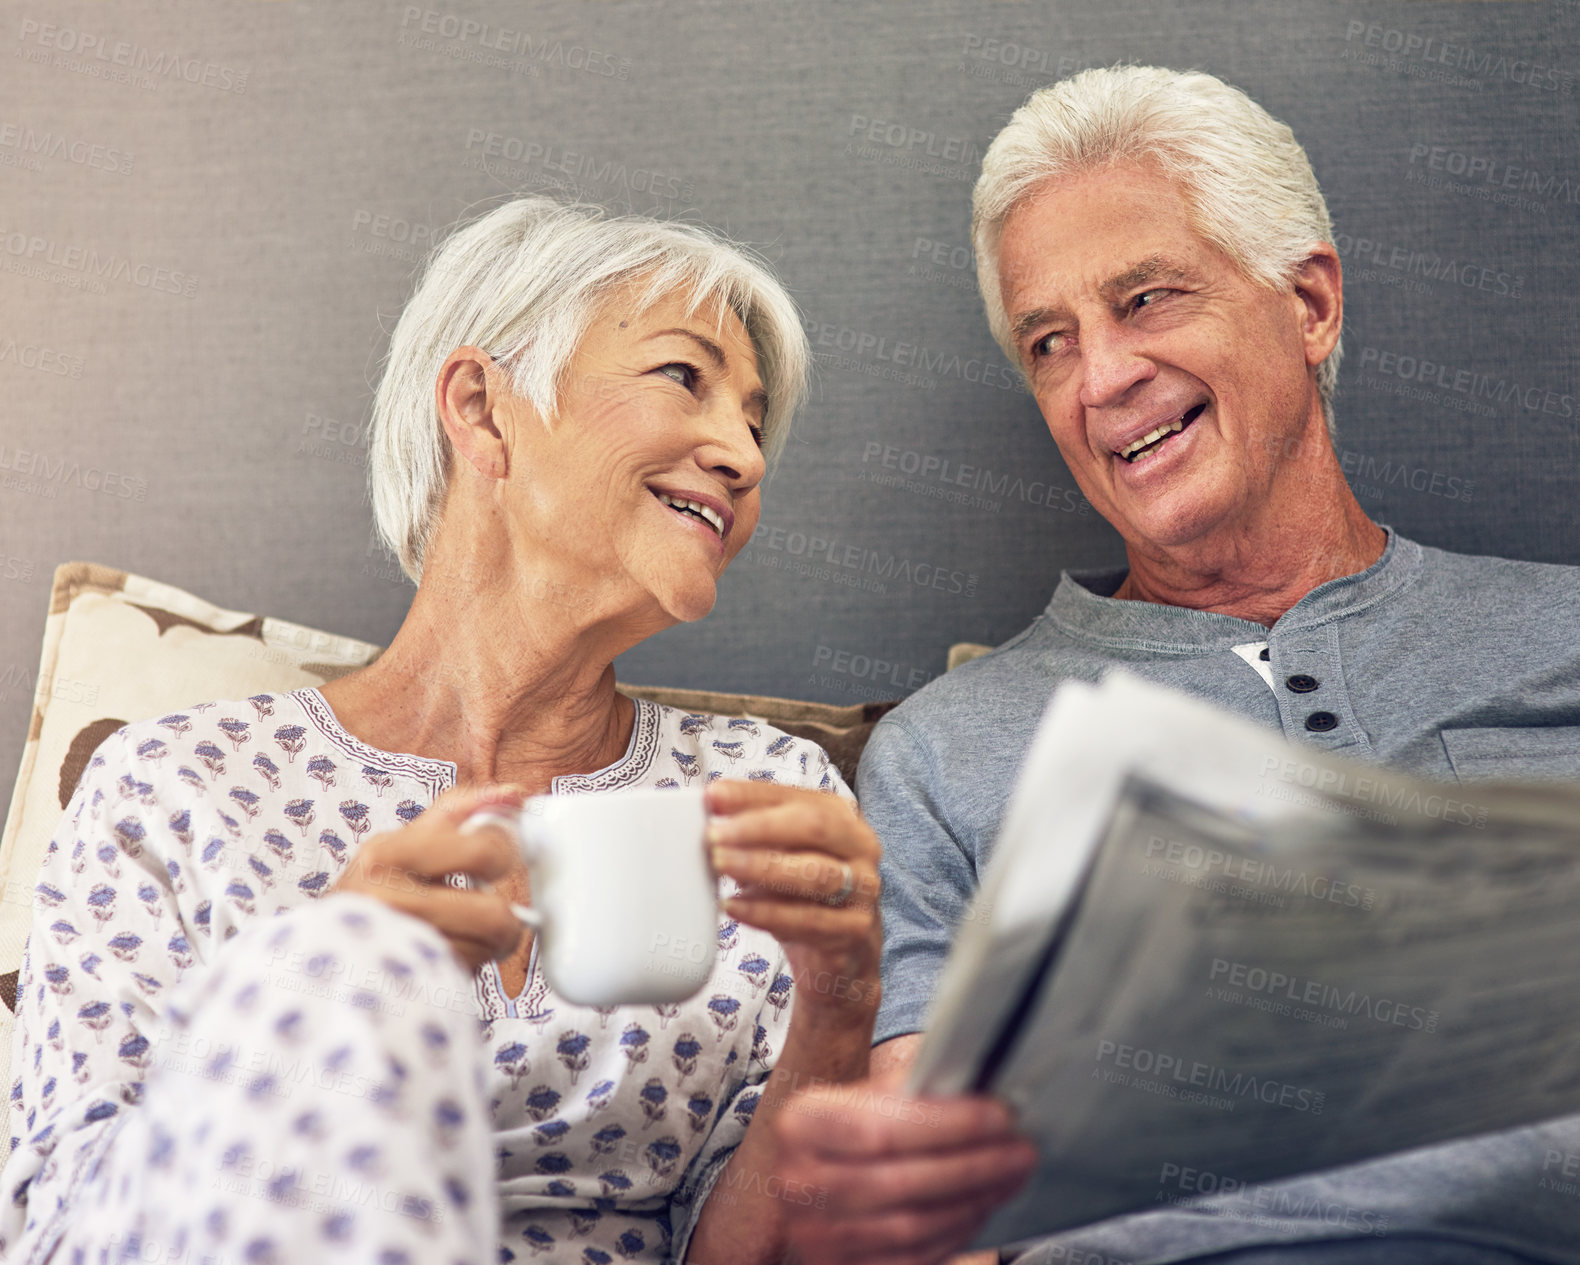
<point>1446,666</point>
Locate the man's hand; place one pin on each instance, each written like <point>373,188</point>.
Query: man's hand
<point>904,1181</point>
<point>406,869</point>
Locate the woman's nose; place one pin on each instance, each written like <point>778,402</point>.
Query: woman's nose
<point>732,451</point>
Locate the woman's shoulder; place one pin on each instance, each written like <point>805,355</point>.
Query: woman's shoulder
<point>184,731</point>
<point>206,733</point>
<point>246,750</point>
<point>706,745</point>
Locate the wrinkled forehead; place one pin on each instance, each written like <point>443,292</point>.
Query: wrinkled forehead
<point>1121,225</point>
<point>1156,214</point>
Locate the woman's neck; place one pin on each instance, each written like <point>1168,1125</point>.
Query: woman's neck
<point>509,685</point>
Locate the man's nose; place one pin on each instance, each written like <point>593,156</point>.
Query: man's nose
<point>1112,361</point>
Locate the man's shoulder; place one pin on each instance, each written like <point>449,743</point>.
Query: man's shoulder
<point>997,696</point>
<point>1513,572</point>
<point>187,732</point>
<point>1485,584</point>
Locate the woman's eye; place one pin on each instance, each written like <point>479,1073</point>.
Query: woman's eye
<point>681,373</point>
<point>757,434</point>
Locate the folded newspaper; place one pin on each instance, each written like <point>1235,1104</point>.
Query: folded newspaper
<point>1200,949</point>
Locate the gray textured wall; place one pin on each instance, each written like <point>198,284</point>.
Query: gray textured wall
<point>209,214</point>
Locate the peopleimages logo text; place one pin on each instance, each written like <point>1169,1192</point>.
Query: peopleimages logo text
<point>1534,399</point>
<point>1493,173</point>
<point>87,47</point>
<point>50,144</point>
<point>1177,1072</point>
<point>868,346</point>
<point>578,166</point>
<point>41,251</point>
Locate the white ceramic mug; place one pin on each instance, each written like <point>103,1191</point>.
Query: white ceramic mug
<point>623,899</point>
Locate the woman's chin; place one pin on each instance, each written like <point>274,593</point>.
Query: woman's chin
<point>690,602</point>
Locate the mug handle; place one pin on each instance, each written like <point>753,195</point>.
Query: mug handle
<point>480,820</point>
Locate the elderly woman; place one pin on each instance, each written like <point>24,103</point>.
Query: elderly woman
<point>568,445</point>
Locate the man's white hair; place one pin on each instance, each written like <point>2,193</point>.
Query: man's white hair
<point>524,283</point>
<point>1248,186</point>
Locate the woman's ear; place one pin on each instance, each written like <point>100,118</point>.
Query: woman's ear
<point>469,395</point>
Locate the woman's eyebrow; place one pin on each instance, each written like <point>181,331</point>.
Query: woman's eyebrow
<point>710,349</point>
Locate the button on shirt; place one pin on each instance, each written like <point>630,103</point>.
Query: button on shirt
<point>1444,665</point>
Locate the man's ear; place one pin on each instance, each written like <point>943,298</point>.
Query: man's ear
<point>1319,284</point>
<point>469,394</point>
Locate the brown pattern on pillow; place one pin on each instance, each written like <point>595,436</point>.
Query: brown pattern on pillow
<point>166,620</point>
<point>81,751</point>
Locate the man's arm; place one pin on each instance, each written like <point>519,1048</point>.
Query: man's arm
<point>908,1181</point>
<point>895,1058</point>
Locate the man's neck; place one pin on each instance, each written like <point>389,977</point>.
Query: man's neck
<point>1258,571</point>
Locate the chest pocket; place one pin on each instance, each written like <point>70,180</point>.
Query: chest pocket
<point>1542,753</point>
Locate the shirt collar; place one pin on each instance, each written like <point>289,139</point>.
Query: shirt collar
<point>1079,609</point>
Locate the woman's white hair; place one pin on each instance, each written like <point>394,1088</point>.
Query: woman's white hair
<point>524,283</point>
<point>1247,184</point>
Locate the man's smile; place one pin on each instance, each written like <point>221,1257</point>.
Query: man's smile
<point>1146,445</point>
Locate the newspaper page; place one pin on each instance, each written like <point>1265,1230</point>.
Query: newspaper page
<point>1201,945</point>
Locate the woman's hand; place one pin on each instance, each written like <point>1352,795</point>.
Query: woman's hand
<point>406,870</point>
<point>807,866</point>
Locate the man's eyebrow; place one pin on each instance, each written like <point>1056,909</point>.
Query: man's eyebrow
<point>715,355</point>
<point>1028,321</point>
<point>1155,268</point>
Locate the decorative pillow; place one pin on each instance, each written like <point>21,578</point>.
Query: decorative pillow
<point>119,648</point>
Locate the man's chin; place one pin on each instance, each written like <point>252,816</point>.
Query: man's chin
<point>1167,528</point>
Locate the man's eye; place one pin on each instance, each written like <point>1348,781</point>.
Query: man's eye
<point>681,373</point>
<point>1147,298</point>
<point>1046,345</point>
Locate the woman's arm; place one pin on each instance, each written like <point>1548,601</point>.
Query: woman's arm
<point>110,939</point>
<point>788,850</point>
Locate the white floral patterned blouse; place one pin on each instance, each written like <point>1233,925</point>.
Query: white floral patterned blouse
<point>609,1122</point>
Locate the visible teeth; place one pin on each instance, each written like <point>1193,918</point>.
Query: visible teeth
<point>1131,450</point>
<point>714,519</point>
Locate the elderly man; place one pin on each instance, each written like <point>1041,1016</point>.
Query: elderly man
<point>1155,254</point>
